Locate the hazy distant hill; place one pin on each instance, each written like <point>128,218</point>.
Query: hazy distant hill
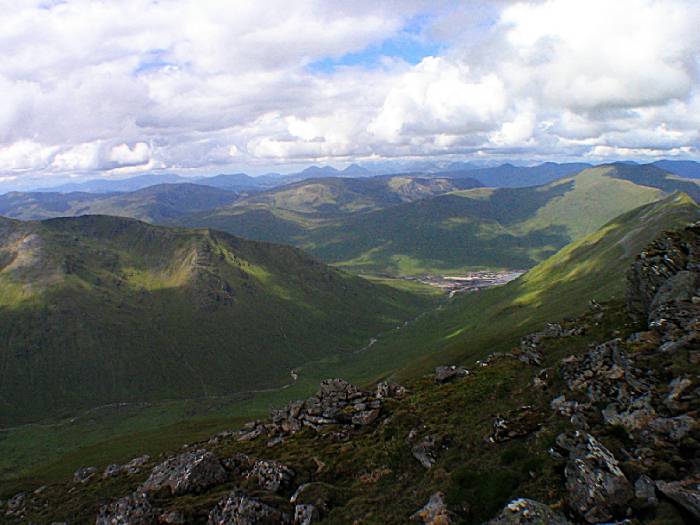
<point>160,203</point>
<point>99,309</point>
<point>509,176</point>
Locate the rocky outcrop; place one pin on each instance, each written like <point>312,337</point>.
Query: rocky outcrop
<point>239,509</point>
<point>425,451</point>
<point>134,509</point>
<point>524,511</point>
<point>189,472</point>
<point>664,284</point>
<point>597,488</point>
<point>337,403</point>
<point>435,512</point>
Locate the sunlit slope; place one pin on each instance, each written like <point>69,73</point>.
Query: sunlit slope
<point>476,324</point>
<point>97,309</point>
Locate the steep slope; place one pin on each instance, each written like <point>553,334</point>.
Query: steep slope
<point>593,419</point>
<point>158,204</point>
<point>97,310</point>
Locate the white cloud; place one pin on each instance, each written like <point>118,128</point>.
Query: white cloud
<point>124,155</point>
<point>200,84</point>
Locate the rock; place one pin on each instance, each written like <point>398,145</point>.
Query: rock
<point>239,509</point>
<point>435,512</point>
<point>443,374</point>
<point>389,390</point>
<point>271,475</point>
<point>84,474</point>
<point>676,428</point>
<point>112,471</point>
<point>597,488</point>
<point>16,503</point>
<point>685,493</point>
<point>516,423</point>
<point>189,472</point>
<point>129,510</point>
<point>676,389</point>
<point>306,515</point>
<point>528,512</point>
<point>645,492</point>
<point>134,466</point>
<point>366,417</point>
<point>425,451</point>
<point>173,517</point>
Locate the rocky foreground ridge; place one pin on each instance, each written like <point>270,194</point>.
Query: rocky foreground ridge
<point>591,420</point>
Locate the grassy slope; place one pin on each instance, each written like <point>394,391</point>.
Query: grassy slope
<point>97,310</point>
<point>468,328</point>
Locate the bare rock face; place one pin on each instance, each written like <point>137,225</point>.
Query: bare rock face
<point>129,510</point>
<point>271,475</point>
<point>435,512</point>
<point>239,509</point>
<point>189,472</point>
<point>597,488</point>
<point>528,512</point>
<point>685,493</point>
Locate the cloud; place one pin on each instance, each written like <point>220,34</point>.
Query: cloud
<point>96,87</point>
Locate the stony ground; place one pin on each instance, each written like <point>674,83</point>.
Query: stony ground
<point>590,420</point>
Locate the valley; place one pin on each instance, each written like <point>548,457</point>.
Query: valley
<point>470,282</point>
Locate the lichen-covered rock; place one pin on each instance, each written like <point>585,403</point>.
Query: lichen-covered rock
<point>189,472</point>
<point>597,488</point>
<point>685,493</point>
<point>135,509</point>
<point>271,475</point>
<point>435,512</point>
<point>524,511</point>
<point>239,509</point>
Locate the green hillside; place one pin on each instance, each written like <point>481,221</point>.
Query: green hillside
<point>97,310</point>
<point>453,232</point>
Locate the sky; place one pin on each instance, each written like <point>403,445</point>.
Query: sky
<point>126,87</point>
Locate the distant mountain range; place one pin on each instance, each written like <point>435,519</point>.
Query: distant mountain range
<point>448,232</point>
<point>502,176</point>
